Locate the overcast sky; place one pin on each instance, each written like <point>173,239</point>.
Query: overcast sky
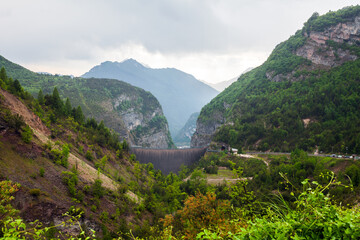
<point>214,40</point>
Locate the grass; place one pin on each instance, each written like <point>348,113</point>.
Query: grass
<point>223,174</point>
<point>17,167</point>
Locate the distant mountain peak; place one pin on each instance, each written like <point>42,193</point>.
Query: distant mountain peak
<point>179,93</point>
<point>131,62</point>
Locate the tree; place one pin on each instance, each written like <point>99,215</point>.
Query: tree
<point>202,211</point>
<point>78,115</point>
<point>57,103</point>
<point>3,75</point>
<point>97,189</point>
<point>125,145</point>
<point>65,151</point>
<point>26,134</point>
<point>68,108</point>
<point>41,98</point>
<point>17,86</point>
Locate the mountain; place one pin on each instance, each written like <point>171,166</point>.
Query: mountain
<point>220,86</point>
<point>184,135</point>
<point>179,93</point>
<point>132,112</point>
<point>305,95</point>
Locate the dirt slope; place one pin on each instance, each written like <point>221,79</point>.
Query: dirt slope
<point>86,172</point>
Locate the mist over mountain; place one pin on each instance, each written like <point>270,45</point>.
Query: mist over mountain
<point>220,86</point>
<point>179,93</point>
<point>184,135</point>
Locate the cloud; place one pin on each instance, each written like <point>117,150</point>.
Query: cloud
<point>75,35</point>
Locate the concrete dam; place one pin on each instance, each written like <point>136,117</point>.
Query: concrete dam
<point>168,160</point>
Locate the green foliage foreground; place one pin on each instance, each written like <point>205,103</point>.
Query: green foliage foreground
<point>313,216</point>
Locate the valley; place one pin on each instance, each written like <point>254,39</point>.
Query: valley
<point>179,93</point>
<point>131,152</point>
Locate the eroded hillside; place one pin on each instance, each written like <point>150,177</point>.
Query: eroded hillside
<point>61,167</point>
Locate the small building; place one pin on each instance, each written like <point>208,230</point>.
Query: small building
<point>234,151</point>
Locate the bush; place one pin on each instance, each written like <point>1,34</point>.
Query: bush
<point>89,155</point>
<point>35,192</point>
<point>42,172</point>
<point>70,179</point>
<point>353,172</point>
<point>14,121</point>
<point>211,169</point>
<point>61,157</point>
<point>97,189</point>
<point>26,134</point>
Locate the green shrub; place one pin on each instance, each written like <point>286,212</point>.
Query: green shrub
<point>14,121</point>
<point>312,216</point>
<point>35,192</point>
<point>353,172</point>
<point>81,149</point>
<point>33,175</point>
<point>70,179</point>
<point>89,155</point>
<point>42,172</point>
<point>93,208</point>
<point>97,189</point>
<point>26,134</point>
<point>48,145</point>
<point>104,216</point>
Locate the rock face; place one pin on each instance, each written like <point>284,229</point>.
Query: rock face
<point>134,115</point>
<point>317,51</point>
<point>206,129</point>
<point>183,138</point>
<point>154,140</point>
<point>343,32</point>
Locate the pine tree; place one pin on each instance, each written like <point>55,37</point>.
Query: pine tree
<point>57,103</point>
<point>41,98</point>
<point>17,87</point>
<point>3,75</point>
<point>78,115</point>
<point>68,107</point>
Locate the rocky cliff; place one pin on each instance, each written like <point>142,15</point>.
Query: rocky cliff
<point>206,129</point>
<point>318,51</point>
<point>183,138</point>
<point>301,79</point>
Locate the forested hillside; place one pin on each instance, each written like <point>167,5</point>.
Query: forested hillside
<point>132,112</point>
<point>305,95</point>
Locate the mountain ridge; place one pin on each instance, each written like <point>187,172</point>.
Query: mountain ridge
<point>122,106</point>
<point>179,93</point>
